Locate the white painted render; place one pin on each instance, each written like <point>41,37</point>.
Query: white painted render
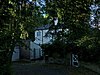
<point>15,56</point>
<point>42,39</point>
<point>38,51</point>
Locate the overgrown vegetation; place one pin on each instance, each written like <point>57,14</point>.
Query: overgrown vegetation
<point>18,18</point>
<point>75,15</point>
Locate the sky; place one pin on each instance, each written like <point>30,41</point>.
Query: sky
<point>93,8</point>
<point>30,0</point>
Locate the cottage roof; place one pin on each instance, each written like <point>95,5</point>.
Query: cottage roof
<point>48,26</point>
<point>43,27</point>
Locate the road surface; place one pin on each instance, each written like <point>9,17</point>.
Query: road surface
<point>38,69</point>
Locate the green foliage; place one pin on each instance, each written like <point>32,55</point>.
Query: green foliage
<point>18,19</point>
<point>89,46</point>
<point>75,15</point>
<point>56,49</point>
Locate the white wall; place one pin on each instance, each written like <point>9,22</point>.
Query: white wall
<point>38,50</point>
<point>15,56</point>
<point>42,39</point>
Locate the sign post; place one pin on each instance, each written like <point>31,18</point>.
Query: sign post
<point>74,60</point>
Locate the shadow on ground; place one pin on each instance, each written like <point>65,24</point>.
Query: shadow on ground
<point>38,69</point>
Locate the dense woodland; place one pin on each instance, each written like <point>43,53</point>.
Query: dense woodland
<point>18,19</point>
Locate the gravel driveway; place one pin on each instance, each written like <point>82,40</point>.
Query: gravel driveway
<point>38,69</point>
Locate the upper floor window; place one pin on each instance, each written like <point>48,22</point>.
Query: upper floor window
<point>38,33</point>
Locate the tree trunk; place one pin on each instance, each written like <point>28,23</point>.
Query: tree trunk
<point>5,62</point>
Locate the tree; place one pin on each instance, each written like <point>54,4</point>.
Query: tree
<point>18,20</point>
<point>75,15</point>
<point>90,43</point>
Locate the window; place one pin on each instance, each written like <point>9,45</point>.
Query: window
<point>38,33</point>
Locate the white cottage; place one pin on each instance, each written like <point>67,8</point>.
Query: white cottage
<point>41,35</point>
<point>30,51</point>
<point>46,34</point>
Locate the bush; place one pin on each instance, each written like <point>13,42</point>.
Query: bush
<point>56,49</point>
